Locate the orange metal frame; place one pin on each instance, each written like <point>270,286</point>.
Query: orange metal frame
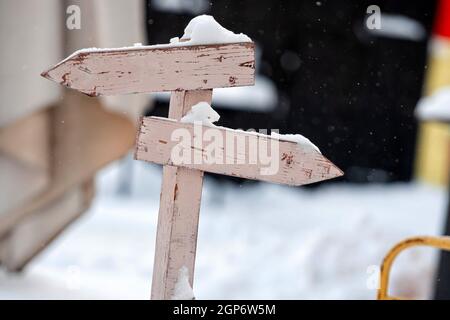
<point>442,243</point>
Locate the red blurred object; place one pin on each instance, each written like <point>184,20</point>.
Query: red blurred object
<point>442,24</point>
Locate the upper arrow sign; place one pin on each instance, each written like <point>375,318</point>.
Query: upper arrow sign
<point>156,68</point>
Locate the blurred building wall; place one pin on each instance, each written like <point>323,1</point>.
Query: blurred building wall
<point>53,140</point>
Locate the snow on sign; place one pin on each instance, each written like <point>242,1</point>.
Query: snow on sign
<point>208,56</point>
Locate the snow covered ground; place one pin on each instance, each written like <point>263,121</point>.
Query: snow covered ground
<point>255,241</point>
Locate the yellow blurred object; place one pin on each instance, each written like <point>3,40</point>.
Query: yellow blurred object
<point>433,153</point>
<point>435,242</point>
<point>438,74</point>
<point>434,137</point>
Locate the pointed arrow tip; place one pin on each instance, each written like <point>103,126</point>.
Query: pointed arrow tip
<point>331,172</point>
<point>45,74</point>
<point>335,172</point>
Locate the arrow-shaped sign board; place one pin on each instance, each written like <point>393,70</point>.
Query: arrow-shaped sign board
<point>190,72</point>
<point>156,68</point>
<point>233,152</point>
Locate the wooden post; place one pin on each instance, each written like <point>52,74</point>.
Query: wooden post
<point>181,192</point>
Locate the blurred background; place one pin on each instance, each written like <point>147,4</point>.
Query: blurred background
<point>78,215</point>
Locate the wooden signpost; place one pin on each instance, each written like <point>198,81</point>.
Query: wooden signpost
<point>191,72</point>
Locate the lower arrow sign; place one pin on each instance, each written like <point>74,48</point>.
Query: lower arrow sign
<point>231,152</point>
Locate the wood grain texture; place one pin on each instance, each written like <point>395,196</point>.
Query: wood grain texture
<point>156,68</point>
<point>176,239</point>
<point>298,165</point>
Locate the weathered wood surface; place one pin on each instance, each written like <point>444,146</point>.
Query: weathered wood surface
<point>298,165</point>
<point>156,68</point>
<point>176,238</point>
